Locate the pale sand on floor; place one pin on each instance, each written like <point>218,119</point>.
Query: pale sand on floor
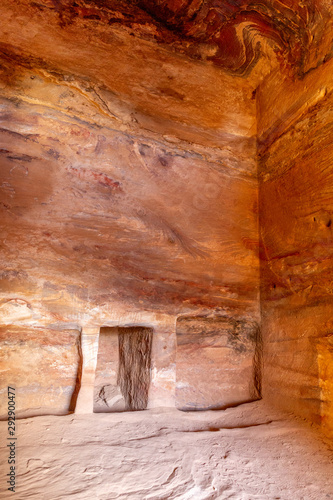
<point>245,453</point>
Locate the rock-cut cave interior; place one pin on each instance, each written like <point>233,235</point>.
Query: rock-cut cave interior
<point>166,297</point>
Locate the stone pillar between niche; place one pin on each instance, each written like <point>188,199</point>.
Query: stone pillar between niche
<point>89,346</point>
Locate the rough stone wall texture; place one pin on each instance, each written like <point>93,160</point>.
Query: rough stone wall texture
<point>295,150</point>
<point>128,175</point>
<point>163,364</point>
<point>107,393</point>
<point>43,366</point>
<point>123,373</point>
<point>165,222</point>
<point>218,362</point>
<point>128,189</point>
<point>127,182</point>
<point>135,365</point>
<point>240,37</point>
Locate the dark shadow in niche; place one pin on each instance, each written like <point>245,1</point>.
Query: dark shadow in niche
<point>135,345</point>
<point>77,387</point>
<point>257,364</point>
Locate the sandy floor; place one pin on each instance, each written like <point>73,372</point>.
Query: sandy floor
<point>244,453</point>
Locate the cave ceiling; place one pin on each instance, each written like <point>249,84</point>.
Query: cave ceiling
<point>232,34</point>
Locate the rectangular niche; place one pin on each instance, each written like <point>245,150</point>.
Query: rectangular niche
<point>43,365</point>
<point>218,362</point>
<point>123,369</point>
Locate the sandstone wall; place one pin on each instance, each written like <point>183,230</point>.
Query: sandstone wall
<point>123,372</point>
<point>218,362</point>
<point>128,185</point>
<point>98,212</point>
<point>295,150</point>
<point>43,365</point>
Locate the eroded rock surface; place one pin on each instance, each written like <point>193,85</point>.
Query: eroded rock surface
<point>43,366</point>
<point>249,452</point>
<point>123,372</point>
<point>104,212</point>
<point>296,193</point>
<point>107,393</point>
<point>130,136</point>
<point>218,362</point>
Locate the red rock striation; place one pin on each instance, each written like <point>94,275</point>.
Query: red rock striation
<point>296,193</point>
<point>131,139</point>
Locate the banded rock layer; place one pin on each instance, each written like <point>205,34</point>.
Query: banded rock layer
<point>171,159</point>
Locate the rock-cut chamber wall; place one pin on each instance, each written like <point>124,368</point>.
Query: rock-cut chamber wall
<point>128,198</point>
<point>295,150</point>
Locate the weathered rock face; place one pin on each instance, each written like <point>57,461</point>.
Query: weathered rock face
<point>237,36</point>
<point>218,362</point>
<point>129,188</point>
<point>237,33</point>
<point>129,140</point>
<point>43,366</point>
<point>150,221</point>
<point>113,220</point>
<point>123,373</point>
<point>296,209</point>
<point>107,393</point>
<point>135,365</point>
